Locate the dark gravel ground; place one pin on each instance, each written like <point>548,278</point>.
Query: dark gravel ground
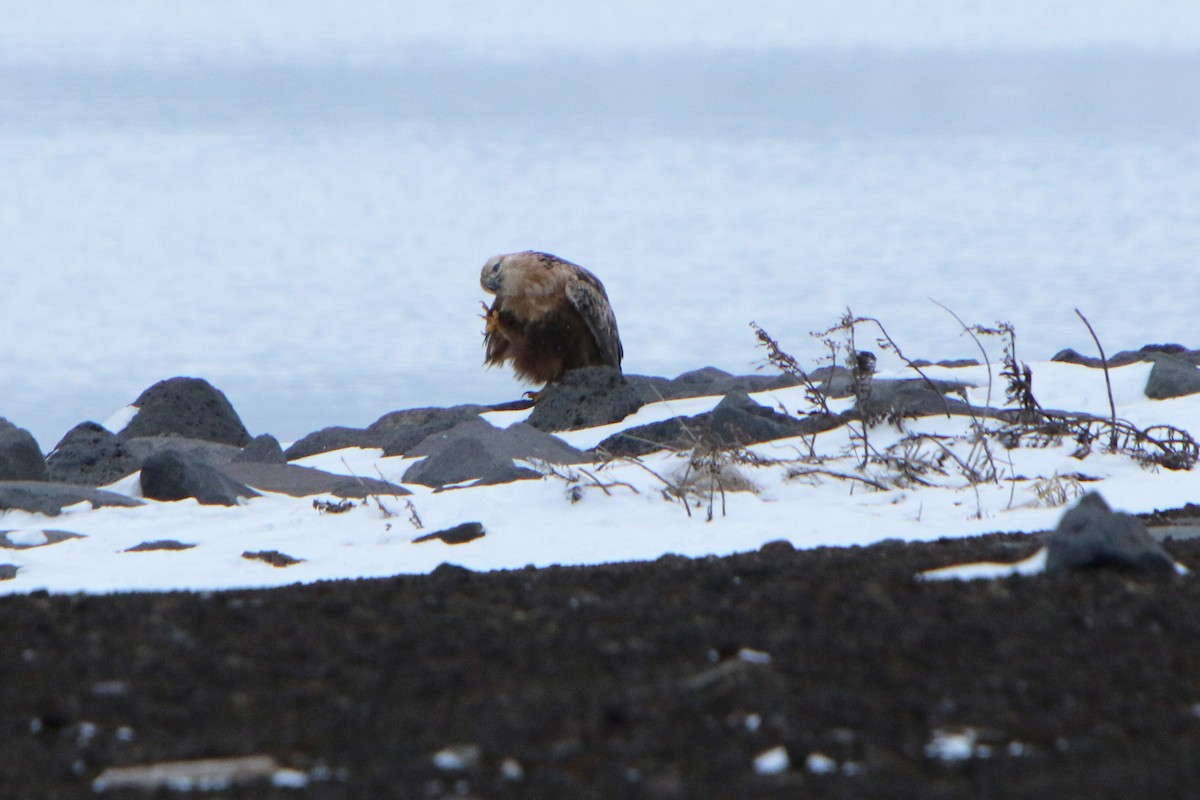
<point>628,680</point>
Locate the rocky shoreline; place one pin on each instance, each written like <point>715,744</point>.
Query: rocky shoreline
<point>188,441</point>
<point>831,672</point>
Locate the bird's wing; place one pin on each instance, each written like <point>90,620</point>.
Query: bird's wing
<point>587,295</point>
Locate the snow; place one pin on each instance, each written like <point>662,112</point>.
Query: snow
<point>957,745</point>
<point>623,510</point>
<point>820,764</point>
<point>1034,565</point>
<point>773,761</point>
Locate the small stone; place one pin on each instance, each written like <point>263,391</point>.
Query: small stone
<point>159,544</point>
<point>459,534</point>
<point>272,557</point>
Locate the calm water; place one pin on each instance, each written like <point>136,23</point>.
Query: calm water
<point>307,233</point>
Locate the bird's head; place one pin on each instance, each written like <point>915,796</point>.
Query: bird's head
<point>491,279</point>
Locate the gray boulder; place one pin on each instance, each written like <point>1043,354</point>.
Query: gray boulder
<point>188,407</point>
<point>677,433</point>
<point>914,398</point>
<point>20,457</point>
<point>329,439</point>
<point>706,381</point>
<point>1146,353</point>
<point>736,421</point>
<point>171,475</point>
<point>1093,535</point>
<point>300,481</point>
<point>1172,376</point>
<point>585,398</point>
<point>264,449</point>
<point>399,431</point>
<point>466,459</point>
<point>395,432</point>
<point>211,453</point>
<point>49,537</point>
<point>91,455</point>
<point>45,497</point>
<point>516,441</point>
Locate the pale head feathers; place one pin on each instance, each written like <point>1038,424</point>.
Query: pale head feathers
<point>539,279</point>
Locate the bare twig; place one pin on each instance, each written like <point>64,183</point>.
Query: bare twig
<point>1107,380</point>
<point>982,350</point>
<point>844,476</point>
<point>786,364</point>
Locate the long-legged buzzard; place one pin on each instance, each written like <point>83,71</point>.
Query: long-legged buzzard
<point>549,316</point>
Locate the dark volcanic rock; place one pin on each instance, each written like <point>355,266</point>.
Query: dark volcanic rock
<point>8,571</point>
<point>49,537</point>
<point>399,431</point>
<point>516,441</point>
<point>676,433</point>
<point>44,497</point>
<point>188,407</point>
<point>466,459</point>
<point>211,453</point>
<point>272,557</point>
<point>395,432</point>
<point>737,420</point>
<point>1172,377</point>
<point>170,475</point>
<point>329,439</point>
<point>585,398</point>
<point>262,449</point>
<point>708,381</point>
<point>20,457</point>
<point>1149,352</point>
<point>159,544</point>
<point>1092,535</point>
<point>91,455</point>
<point>913,398</point>
<point>459,534</point>
<point>300,481</point>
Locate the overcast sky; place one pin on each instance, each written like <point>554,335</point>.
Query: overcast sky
<point>374,30</point>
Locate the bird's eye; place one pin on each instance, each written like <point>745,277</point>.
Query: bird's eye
<point>496,267</point>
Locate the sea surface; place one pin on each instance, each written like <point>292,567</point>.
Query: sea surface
<point>296,205</point>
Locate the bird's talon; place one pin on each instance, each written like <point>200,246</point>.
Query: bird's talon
<point>491,317</point>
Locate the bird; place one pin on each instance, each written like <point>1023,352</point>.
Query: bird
<point>549,316</point>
